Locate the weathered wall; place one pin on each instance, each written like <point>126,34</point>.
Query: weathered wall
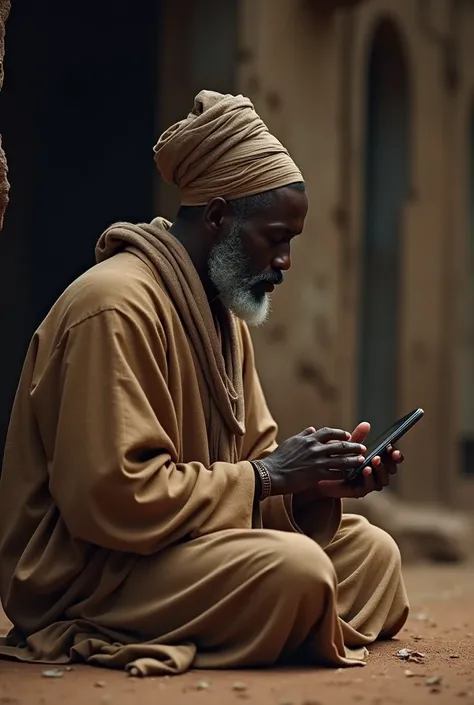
<point>202,51</point>
<point>294,65</point>
<point>306,72</point>
<point>460,257</point>
<point>290,69</point>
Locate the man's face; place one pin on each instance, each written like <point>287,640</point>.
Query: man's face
<point>249,262</point>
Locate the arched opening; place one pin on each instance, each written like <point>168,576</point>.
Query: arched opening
<point>387,157</point>
<point>467,349</point>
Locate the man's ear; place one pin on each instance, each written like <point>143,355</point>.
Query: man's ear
<point>214,216</point>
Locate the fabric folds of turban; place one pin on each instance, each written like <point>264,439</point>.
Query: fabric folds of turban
<point>223,148</point>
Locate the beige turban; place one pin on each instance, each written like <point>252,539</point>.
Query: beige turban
<point>222,148</point>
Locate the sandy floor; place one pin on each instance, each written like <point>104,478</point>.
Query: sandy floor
<point>441,627</point>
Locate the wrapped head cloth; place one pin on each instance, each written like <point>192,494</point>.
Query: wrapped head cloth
<point>223,148</point>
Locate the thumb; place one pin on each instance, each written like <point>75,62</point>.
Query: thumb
<point>308,431</point>
<point>360,433</point>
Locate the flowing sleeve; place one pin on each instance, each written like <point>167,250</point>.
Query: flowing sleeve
<point>113,470</point>
<point>321,518</point>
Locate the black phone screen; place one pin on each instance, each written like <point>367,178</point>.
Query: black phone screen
<point>391,435</point>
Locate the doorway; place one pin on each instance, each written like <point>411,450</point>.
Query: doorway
<point>78,118</point>
<point>466,367</point>
<point>387,139</point>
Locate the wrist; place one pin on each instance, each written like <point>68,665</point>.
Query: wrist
<point>258,484</point>
<point>263,482</point>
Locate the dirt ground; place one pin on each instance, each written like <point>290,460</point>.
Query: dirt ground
<point>441,627</point>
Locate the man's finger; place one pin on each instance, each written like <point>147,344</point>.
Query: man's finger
<point>341,448</point>
<point>387,462</point>
<point>369,482</point>
<point>380,474</point>
<point>340,490</point>
<point>395,454</point>
<point>336,489</point>
<point>361,432</point>
<point>332,475</point>
<point>307,431</point>
<point>324,435</point>
<point>342,462</point>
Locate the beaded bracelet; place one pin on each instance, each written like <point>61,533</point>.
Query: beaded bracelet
<point>264,477</point>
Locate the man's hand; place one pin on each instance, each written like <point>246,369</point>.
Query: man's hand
<point>373,478</point>
<point>302,460</point>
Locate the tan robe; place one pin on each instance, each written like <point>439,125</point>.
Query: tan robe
<point>122,546</point>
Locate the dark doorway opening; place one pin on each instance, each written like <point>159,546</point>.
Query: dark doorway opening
<point>387,145</point>
<point>78,118</point>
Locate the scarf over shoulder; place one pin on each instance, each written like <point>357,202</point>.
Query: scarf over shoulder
<point>216,348</point>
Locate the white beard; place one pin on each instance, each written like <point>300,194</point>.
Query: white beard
<point>230,273</point>
<point>253,312</point>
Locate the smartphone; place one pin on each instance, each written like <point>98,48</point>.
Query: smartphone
<point>386,439</point>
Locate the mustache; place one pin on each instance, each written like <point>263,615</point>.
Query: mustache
<point>274,277</point>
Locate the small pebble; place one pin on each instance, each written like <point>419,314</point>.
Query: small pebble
<point>433,680</point>
<point>203,685</point>
<point>100,684</point>
<point>134,672</point>
<point>239,686</point>
<point>53,673</point>
<point>453,655</point>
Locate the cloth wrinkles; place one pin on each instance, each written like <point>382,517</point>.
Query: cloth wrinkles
<point>219,359</point>
<point>223,148</point>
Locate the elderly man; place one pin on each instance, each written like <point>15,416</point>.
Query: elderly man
<point>148,518</point>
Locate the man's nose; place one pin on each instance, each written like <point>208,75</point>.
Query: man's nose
<point>282,262</point>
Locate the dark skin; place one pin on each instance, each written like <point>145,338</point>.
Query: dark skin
<point>266,236</point>
<point>311,464</point>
